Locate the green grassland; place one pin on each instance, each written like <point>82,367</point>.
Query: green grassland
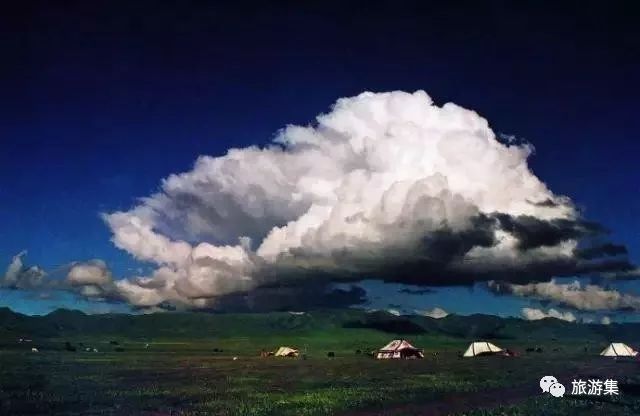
<point>549,406</point>
<point>188,366</point>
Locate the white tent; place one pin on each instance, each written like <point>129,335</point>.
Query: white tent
<point>286,352</point>
<point>399,348</point>
<point>618,349</point>
<point>481,348</point>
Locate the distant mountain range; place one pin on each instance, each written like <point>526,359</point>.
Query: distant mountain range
<point>197,325</point>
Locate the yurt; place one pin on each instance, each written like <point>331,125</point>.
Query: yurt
<point>618,349</point>
<point>482,348</point>
<point>399,348</point>
<point>286,352</point>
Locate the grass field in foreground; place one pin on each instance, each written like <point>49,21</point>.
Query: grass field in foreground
<point>186,382</point>
<point>188,367</point>
<point>549,406</point>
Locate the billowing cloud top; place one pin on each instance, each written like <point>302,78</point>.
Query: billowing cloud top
<point>385,185</point>
<point>91,279</point>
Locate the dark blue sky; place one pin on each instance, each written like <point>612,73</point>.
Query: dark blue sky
<point>100,100</point>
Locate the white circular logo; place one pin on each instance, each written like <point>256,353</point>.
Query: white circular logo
<point>546,382</point>
<point>556,390</point>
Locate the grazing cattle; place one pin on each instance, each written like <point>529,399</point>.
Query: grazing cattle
<point>95,350</point>
<point>331,354</point>
<point>358,352</point>
<point>69,347</point>
<point>510,353</point>
<point>34,350</point>
<point>538,349</point>
<point>113,342</point>
<point>235,358</point>
<point>530,349</point>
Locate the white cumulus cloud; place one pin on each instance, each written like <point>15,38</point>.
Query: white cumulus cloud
<point>18,276</point>
<point>91,279</point>
<point>436,313</point>
<point>533,314</point>
<point>384,184</point>
<point>574,295</point>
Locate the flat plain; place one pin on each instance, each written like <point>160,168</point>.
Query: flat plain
<point>142,370</point>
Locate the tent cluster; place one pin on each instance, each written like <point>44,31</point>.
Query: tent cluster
<point>402,349</point>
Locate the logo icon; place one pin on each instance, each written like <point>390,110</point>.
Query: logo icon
<point>556,390</point>
<point>550,384</point>
<point>546,382</point>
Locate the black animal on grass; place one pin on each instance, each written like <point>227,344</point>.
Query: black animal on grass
<point>538,349</point>
<point>331,354</point>
<point>530,349</point>
<point>69,347</point>
<point>358,352</point>
<point>113,342</point>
